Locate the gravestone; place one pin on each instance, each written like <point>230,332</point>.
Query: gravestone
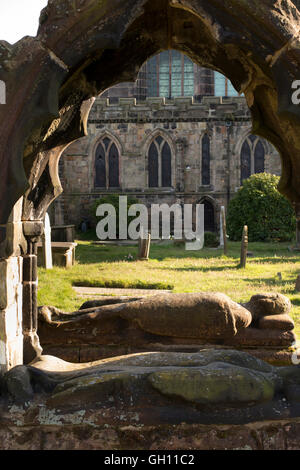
<point>244,248</point>
<point>144,247</point>
<point>46,239</point>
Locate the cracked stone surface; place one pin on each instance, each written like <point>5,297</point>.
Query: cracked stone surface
<point>213,399</point>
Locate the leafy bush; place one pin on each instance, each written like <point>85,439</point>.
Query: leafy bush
<point>258,204</point>
<point>211,240</point>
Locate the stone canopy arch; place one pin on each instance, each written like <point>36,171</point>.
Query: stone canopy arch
<point>84,47</point>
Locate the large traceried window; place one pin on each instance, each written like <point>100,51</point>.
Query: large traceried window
<point>159,164</point>
<point>252,157</point>
<point>223,86</point>
<point>107,159</point>
<point>205,160</point>
<point>170,74</point>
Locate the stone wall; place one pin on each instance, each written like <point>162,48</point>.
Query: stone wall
<point>78,432</point>
<point>11,293</point>
<point>182,122</point>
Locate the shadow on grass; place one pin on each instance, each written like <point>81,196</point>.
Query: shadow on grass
<point>200,269</point>
<point>91,254</point>
<point>275,259</point>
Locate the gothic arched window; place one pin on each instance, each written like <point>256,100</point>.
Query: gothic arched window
<point>259,158</point>
<point>245,161</point>
<point>107,172</point>
<point>252,157</point>
<point>153,166</point>
<point>205,160</point>
<point>209,216</point>
<point>160,164</point>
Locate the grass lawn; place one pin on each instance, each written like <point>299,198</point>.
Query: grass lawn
<point>171,267</point>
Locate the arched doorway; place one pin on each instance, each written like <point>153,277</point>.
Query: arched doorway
<point>209,217</point>
<point>209,214</point>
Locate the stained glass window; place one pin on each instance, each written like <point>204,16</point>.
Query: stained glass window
<point>259,158</point>
<point>152,76</point>
<point>166,158</point>
<point>100,167</point>
<point>176,73</point>
<point>170,74</point>
<point>223,86</point>
<point>189,85</point>
<point>107,165</point>
<point>160,164</point>
<point>252,157</point>
<point>164,74</point>
<point>245,161</point>
<point>205,160</point>
<point>153,166</point>
<point>113,167</point>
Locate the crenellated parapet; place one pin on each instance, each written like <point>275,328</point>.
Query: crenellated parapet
<point>160,109</point>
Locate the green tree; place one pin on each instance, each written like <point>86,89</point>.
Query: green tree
<point>258,204</point>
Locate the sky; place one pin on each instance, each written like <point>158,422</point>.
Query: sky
<point>19,18</point>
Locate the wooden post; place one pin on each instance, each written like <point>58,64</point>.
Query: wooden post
<point>221,230</point>
<point>144,247</point>
<point>224,230</point>
<point>244,248</point>
<point>46,239</point>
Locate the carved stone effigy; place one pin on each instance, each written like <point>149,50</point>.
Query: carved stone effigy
<point>173,322</point>
<point>211,386</point>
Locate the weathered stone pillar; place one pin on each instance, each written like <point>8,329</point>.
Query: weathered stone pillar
<point>32,349</point>
<point>11,262</point>
<point>11,338</point>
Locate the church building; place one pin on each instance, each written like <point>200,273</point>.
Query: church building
<point>179,134</point>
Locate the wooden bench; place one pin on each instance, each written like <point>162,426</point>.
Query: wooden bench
<point>63,254</point>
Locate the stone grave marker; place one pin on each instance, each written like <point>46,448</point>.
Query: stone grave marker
<point>46,239</point>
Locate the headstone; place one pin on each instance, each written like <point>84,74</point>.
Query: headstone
<point>244,247</point>
<point>144,246</point>
<point>47,250</point>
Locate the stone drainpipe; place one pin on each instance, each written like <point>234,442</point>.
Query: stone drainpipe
<point>32,349</point>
